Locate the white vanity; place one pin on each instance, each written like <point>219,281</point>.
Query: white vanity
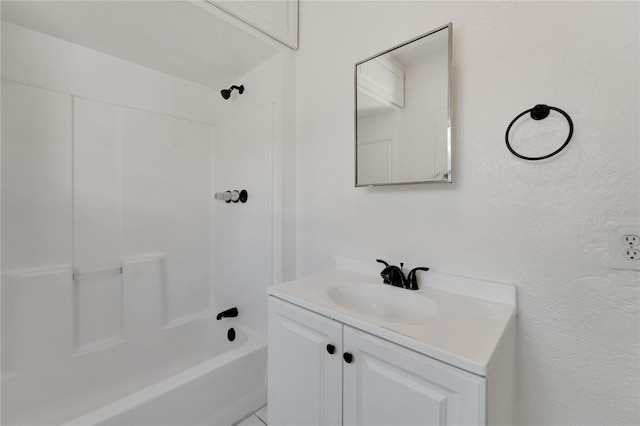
<point>345,349</point>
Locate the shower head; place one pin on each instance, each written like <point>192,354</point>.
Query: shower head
<point>226,93</point>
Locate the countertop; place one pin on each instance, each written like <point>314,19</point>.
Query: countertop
<point>466,332</point>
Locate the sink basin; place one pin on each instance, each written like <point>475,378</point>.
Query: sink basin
<point>385,302</point>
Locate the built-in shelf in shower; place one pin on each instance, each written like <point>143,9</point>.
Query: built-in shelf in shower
<point>97,302</point>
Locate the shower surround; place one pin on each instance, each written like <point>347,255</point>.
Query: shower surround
<point>109,271</point>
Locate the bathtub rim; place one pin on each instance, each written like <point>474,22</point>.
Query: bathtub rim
<point>253,343</point>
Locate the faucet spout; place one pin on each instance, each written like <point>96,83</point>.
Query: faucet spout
<point>229,313</point>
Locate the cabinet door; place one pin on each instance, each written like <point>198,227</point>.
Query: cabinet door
<point>386,384</point>
<point>305,380</point>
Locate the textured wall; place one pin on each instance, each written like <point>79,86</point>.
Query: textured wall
<point>543,226</point>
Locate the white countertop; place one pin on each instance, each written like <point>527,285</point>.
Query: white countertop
<point>466,331</point>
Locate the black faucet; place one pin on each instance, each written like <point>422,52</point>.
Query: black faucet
<point>394,276</point>
<point>229,313</point>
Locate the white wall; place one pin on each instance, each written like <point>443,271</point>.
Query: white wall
<point>543,226</point>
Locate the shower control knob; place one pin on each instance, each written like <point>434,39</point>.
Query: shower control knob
<point>331,349</point>
<point>348,358</point>
<point>223,196</point>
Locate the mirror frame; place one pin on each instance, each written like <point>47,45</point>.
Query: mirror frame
<point>447,27</point>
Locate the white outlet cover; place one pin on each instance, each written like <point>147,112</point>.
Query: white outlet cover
<point>617,247</point>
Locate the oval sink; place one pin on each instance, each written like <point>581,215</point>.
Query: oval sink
<point>385,302</point>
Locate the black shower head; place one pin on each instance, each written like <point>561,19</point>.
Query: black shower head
<point>226,93</point>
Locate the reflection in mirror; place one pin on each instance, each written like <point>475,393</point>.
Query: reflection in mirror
<point>403,113</point>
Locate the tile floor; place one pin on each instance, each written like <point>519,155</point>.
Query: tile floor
<point>259,418</point>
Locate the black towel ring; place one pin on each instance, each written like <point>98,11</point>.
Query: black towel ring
<point>540,112</point>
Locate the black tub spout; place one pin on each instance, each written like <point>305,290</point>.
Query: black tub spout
<point>229,313</point>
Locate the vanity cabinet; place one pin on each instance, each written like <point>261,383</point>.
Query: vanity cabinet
<point>324,372</point>
<point>305,379</point>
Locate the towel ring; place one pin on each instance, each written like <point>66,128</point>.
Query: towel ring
<point>540,112</point>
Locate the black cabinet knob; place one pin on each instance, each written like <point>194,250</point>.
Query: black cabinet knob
<point>348,358</point>
<point>331,349</point>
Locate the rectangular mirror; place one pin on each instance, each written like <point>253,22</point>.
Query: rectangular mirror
<point>403,112</point>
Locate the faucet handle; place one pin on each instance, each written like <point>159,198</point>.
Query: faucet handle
<point>386,276</point>
<point>413,279</point>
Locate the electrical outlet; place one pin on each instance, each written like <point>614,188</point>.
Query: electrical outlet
<point>624,247</point>
<point>632,254</point>
<point>630,240</point>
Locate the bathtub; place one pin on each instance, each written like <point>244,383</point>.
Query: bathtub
<point>220,391</point>
<point>153,371</point>
<point>186,374</point>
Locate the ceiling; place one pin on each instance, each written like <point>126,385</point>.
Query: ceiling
<point>175,37</point>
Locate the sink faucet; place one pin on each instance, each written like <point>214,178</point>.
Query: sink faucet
<point>394,276</point>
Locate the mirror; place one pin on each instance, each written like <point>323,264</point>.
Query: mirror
<point>403,113</point>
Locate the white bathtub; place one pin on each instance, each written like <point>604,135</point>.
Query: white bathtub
<point>154,372</point>
<point>220,391</point>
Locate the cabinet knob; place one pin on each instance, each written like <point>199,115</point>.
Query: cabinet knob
<point>331,349</point>
<point>348,358</point>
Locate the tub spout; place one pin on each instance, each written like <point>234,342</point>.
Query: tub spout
<point>229,313</point>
